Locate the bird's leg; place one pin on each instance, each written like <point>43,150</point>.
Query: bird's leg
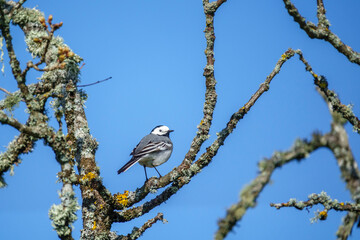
<point>145,174</point>
<point>157,170</point>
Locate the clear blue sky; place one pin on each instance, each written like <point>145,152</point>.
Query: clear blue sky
<point>154,52</point>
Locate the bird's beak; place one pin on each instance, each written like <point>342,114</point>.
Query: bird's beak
<point>170,131</point>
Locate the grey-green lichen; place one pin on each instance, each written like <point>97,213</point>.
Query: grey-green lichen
<point>36,48</point>
<point>2,54</point>
<point>11,102</point>
<point>64,214</point>
<point>324,199</point>
<point>24,16</point>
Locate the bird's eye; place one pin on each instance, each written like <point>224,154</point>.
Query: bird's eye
<point>160,130</point>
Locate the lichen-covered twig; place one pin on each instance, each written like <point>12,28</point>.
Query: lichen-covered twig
<point>64,214</point>
<point>332,140</point>
<point>36,132</point>
<point>210,83</point>
<point>338,143</point>
<point>205,123</point>
<point>183,176</point>
<point>36,95</point>
<point>98,205</point>
<point>350,173</point>
<point>14,62</point>
<point>299,151</point>
<point>322,198</point>
<point>331,97</point>
<point>321,31</point>
<point>137,232</point>
<point>17,6</point>
<point>21,144</point>
<point>348,222</point>
<point>48,39</point>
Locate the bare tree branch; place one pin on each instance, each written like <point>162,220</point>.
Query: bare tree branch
<point>59,81</point>
<point>14,62</point>
<point>137,232</point>
<point>4,90</point>
<point>90,84</point>
<point>21,144</point>
<point>205,123</point>
<point>348,166</point>
<point>348,223</point>
<point>331,97</point>
<point>4,119</point>
<point>210,82</point>
<point>183,176</point>
<point>17,6</point>
<point>336,139</point>
<point>322,198</point>
<point>299,151</point>
<point>322,30</point>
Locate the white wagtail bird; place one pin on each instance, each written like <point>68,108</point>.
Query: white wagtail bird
<point>153,150</point>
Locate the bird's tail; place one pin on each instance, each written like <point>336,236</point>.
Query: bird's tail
<point>128,165</point>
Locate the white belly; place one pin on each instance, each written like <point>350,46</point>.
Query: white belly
<point>155,159</point>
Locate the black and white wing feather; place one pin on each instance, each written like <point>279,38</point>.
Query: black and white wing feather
<point>152,147</point>
<point>145,146</point>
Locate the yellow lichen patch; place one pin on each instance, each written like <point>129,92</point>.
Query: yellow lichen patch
<point>342,204</point>
<point>315,75</point>
<point>88,177</point>
<point>37,40</point>
<point>323,84</point>
<point>94,226</point>
<point>283,57</point>
<point>46,95</point>
<point>323,215</point>
<point>123,198</point>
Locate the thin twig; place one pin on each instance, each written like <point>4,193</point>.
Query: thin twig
<point>323,199</point>
<point>86,85</point>
<point>137,232</point>
<point>331,97</point>
<point>30,64</point>
<point>82,66</point>
<point>21,144</point>
<point>321,31</point>
<point>210,83</point>
<point>5,91</point>
<point>184,175</point>
<point>17,6</point>
<point>205,123</point>
<point>14,62</point>
<point>250,193</point>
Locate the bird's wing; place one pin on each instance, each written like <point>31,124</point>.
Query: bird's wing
<point>152,147</point>
<point>149,144</point>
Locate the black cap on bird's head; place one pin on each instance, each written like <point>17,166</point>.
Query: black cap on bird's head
<point>161,130</point>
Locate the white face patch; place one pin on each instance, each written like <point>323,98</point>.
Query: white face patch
<point>162,130</point>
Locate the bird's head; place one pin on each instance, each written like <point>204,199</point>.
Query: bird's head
<point>161,130</point>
